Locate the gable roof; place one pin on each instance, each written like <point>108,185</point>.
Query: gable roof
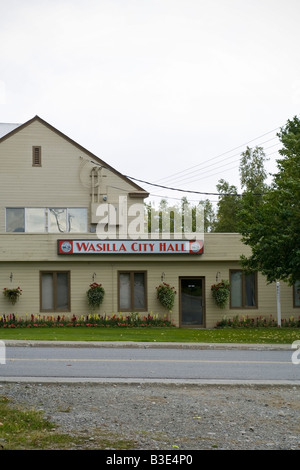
<point>9,130</point>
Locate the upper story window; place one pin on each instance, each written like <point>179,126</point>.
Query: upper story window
<point>36,156</point>
<point>42,220</point>
<point>15,220</point>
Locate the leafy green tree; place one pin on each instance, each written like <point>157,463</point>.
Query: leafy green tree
<point>209,215</point>
<point>174,214</point>
<point>229,205</point>
<point>252,177</point>
<point>252,170</point>
<point>232,208</point>
<point>273,231</point>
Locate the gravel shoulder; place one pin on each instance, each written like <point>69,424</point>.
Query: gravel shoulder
<point>170,416</point>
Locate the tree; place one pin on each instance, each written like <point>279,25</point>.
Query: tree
<point>209,215</point>
<point>252,170</point>
<point>273,231</point>
<point>232,208</point>
<point>177,215</point>
<point>229,205</point>
<point>252,177</point>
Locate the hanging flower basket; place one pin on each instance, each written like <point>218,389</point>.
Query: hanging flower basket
<point>166,295</point>
<point>12,294</point>
<point>95,295</point>
<point>220,293</point>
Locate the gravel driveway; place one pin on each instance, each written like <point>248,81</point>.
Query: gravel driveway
<point>170,416</point>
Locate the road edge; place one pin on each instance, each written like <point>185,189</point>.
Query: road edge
<point>145,345</point>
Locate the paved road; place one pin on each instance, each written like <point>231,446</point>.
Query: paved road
<point>155,364</point>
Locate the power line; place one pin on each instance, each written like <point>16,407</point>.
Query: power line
<point>220,155</point>
<point>185,178</point>
<point>186,190</point>
<point>190,191</point>
<point>175,198</point>
<point>235,165</point>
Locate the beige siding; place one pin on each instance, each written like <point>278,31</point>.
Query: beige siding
<point>63,180</point>
<point>56,183</point>
<point>38,247</point>
<point>27,276</point>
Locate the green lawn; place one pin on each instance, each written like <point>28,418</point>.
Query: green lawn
<point>226,335</point>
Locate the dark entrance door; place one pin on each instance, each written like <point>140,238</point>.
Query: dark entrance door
<point>192,301</point>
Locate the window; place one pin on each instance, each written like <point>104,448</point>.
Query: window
<point>15,220</point>
<point>35,220</point>
<point>297,294</point>
<point>243,289</point>
<point>36,156</point>
<point>132,291</point>
<point>55,291</point>
<point>67,220</point>
<point>40,220</point>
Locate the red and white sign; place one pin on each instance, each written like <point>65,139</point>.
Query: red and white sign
<point>142,247</point>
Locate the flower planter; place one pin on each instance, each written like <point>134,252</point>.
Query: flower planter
<point>220,293</point>
<point>12,294</point>
<point>166,295</point>
<point>95,295</point>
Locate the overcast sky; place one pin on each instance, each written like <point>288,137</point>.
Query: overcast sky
<point>159,89</point>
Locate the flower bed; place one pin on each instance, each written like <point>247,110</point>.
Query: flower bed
<point>131,320</point>
<point>257,322</point>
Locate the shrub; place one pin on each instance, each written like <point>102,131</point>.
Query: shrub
<point>257,322</point>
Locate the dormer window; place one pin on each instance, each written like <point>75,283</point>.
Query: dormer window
<point>36,156</point>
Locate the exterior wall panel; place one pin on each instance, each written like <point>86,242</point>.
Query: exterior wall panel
<point>27,276</point>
